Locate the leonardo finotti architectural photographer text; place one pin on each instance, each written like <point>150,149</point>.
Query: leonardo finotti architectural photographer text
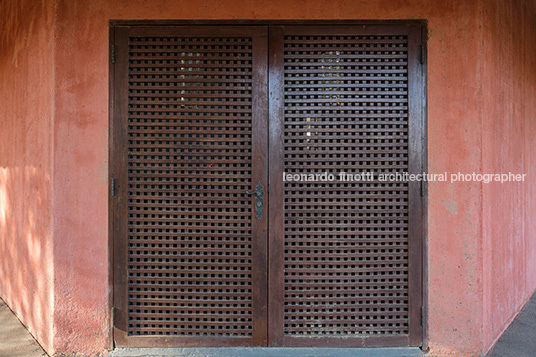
<point>369,176</point>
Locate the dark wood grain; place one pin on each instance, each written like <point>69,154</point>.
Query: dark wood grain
<point>119,207</point>
<point>203,112</point>
<point>191,138</point>
<point>276,204</point>
<point>323,123</point>
<point>417,164</point>
<point>260,175</point>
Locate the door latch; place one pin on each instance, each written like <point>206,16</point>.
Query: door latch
<point>259,200</point>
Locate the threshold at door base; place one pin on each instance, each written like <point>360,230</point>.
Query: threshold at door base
<point>268,352</point>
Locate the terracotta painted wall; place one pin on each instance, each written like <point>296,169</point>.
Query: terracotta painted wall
<point>509,145</point>
<point>455,127</point>
<point>26,114</point>
<point>480,116</point>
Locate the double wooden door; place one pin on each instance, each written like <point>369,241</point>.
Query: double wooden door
<point>234,223</point>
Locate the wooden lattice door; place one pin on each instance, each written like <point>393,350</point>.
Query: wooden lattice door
<point>190,123</point>
<point>212,246</point>
<point>345,253</point>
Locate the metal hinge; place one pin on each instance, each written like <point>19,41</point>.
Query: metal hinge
<point>113,316</point>
<point>112,54</point>
<point>112,187</point>
<point>422,188</point>
<point>422,316</point>
<point>423,53</point>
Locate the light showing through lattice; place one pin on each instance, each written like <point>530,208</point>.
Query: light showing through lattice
<point>189,165</point>
<point>346,243</point>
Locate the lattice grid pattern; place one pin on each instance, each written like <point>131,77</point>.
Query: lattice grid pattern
<point>189,164</point>
<point>346,243</point>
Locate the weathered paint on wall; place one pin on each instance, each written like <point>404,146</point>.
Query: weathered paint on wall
<point>509,145</point>
<point>480,117</point>
<point>26,113</point>
<point>454,138</point>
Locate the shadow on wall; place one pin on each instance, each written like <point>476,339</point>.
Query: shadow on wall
<point>26,68</point>
<point>19,21</point>
<point>25,247</point>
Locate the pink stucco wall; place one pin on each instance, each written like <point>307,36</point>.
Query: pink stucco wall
<point>26,114</point>
<point>481,92</point>
<point>81,158</point>
<point>508,145</point>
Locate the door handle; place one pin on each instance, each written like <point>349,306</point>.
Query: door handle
<point>259,200</point>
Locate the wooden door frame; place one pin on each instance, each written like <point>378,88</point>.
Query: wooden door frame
<point>418,145</point>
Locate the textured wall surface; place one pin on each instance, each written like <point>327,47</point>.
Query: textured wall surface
<point>509,145</point>
<point>455,119</point>
<point>26,114</point>
<point>481,90</point>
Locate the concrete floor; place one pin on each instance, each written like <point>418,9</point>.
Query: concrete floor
<point>15,340</point>
<point>519,340</point>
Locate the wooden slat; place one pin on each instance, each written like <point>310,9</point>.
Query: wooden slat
<point>174,329</point>
<point>164,280</point>
<point>374,288</point>
<point>395,278</point>
<point>341,40</point>
<point>297,95</point>
<point>179,93</point>
<point>335,68</point>
<point>207,56</point>
<point>348,115</point>
<point>200,269</point>
<point>347,84</point>
<point>166,316</point>
<point>182,102</point>
<point>317,56</point>
<point>192,86</point>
